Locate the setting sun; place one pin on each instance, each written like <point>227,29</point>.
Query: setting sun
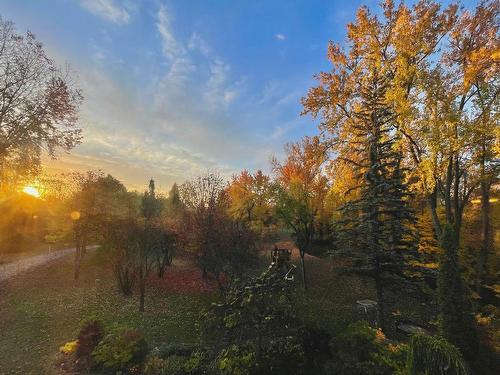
<point>31,190</point>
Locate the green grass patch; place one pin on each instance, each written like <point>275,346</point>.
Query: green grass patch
<point>330,300</point>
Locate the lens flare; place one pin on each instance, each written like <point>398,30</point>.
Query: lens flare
<point>31,190</point>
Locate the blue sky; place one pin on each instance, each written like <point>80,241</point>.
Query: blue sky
<point>176,87</point>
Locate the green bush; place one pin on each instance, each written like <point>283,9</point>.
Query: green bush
<point>315,344</point>
<point>172,365</point>
<point>121,351</point>
<point>89,337</point>
<point>173,348</point>
<point>284,355</point>
<point>360,350</point>
<point>237,360</point>
<point>194,364</point>
<point>434,355</point>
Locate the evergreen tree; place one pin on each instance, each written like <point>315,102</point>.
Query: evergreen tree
<point>150,205</point>
<point>174,203</point>
<point>456,316</point>
<point>381,219</point>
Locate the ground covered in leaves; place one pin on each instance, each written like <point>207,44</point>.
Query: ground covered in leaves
<point>43,309</point>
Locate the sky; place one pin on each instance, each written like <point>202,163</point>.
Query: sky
<point>173,88</point>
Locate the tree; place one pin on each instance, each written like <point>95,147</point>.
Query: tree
<point>250,199</point>
<point>457,322</point>
<point>96,202</point>
<point>223,247</point>
<point>38,107</point>
<point>360,122</point>
<point>380,219</point>
<point>124,244</point>
<point>153,242</point>
<point>174,206</point>
<point>488,159</point>
<point>254,330</point>
<point>301,191</point>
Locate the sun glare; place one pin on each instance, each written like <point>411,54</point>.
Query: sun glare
<point>31,190</point>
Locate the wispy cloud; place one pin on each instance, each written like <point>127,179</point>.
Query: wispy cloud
<point>171,48</point>
<point>280,36</point>
<point>107,9</point>
<point>193,67</point>
<point>192,110</point>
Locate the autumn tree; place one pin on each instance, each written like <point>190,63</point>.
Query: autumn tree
<point>224,248</point>
<point>38,107</point>
<point>359,120</point>
<point>96,202</point>
<point>250,199</point>
<point>156,241</point>
<point>174,205</point>
<point>301,191</point>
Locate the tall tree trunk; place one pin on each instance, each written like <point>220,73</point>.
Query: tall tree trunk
<point>78,248</point>
<point>436,223</point>
<point>304,280</point>
<point>78,260</point>
<point>457,211</point>
<point>447,191</point>
<point>142,287</point>
<point>485,232</point>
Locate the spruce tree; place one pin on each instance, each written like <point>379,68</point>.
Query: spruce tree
<point>380,220</point>
<point>174,203</point>
<point>455,309</point>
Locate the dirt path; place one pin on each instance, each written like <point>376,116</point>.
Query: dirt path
<point>11,269</point>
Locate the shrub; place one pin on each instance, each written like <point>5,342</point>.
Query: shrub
<point>434,355</point>
<point>282,356</point>
<point>69,347</point>
<point>254,330</point>
<point>195,363</point>
<point>237,360</point>
<point>315,344</point>
<point>358,351</point>
<point>121,351</point>
<point>179,349</point>
<point>88,338</point>
<point>172,365</point>
<point>125,274</point>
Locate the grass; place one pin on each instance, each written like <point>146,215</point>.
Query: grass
<point>330,300</point>
<point>43,309</point>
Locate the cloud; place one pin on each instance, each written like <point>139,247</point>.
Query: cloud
<point>107,9</point>
<point>184,120</point>
<point>171,48</point>
<point>194,71</point>
<point>280,36</point>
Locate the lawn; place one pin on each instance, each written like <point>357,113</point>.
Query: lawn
<point>42,309</point>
